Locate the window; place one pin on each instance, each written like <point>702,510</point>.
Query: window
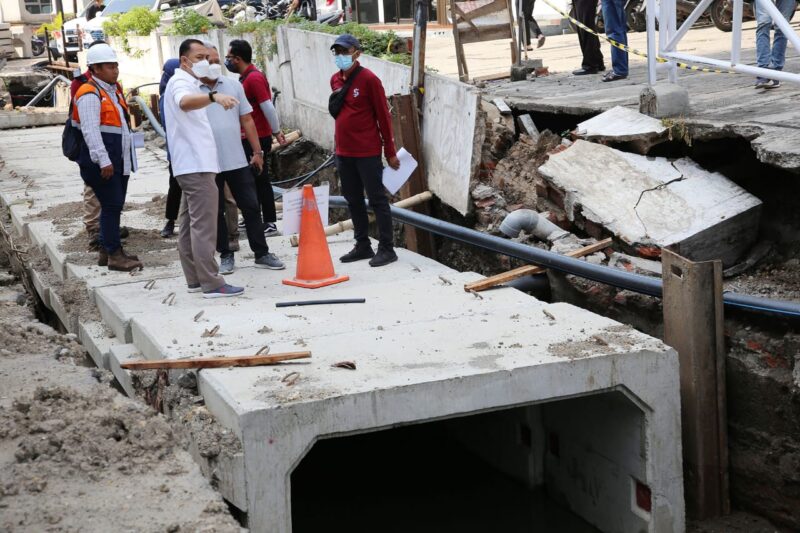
<point>39,7</point>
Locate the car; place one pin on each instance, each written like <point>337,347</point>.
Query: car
<point>79,29</point>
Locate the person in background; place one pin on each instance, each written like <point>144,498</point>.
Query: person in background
<point>107,157</point>
<point>772,57</point>
<point>234,168</point>
<point>174,192</point>
<point>531,26</point>
<point>239,61</point>
<point>363,130</point>
<point>94,8</point>
<point>616,22</point>
<point>195,164</point>
<point>586,13</point>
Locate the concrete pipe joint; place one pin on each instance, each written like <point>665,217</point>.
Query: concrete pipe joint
<point>530,222</point>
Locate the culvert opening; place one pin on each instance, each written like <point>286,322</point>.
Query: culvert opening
<point>570,465</point>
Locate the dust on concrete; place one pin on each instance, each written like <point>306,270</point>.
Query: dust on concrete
<point>609,340</point>
<point>147,244</point>
<point>61,215</point>
<point>775,278</point>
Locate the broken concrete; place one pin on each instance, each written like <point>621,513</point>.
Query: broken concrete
<point>651,203</point>
<point>621,125</point>
<point>664,100</point>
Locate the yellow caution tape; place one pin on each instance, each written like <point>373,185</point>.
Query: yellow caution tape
<point>634,51</point>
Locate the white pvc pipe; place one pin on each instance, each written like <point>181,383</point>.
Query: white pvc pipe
<point>789,77</point>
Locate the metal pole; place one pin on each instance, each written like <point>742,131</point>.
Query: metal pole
<point>687,24</point>
<point>47,44</point>
<point>736,35</point>
<point>672,30</point>
<point>418,54</point>
<point>60,10</point>
<point>782,24</point>
<point>652,76</point>
<point>47,88</point>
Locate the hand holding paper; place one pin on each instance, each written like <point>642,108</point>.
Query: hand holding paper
<point>394,179</point>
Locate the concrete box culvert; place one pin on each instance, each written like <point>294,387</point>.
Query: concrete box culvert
<point>568,465</point>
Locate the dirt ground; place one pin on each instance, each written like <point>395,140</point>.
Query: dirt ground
<point>75,454</point>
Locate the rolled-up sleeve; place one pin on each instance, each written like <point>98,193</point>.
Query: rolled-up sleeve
<point>180,88</point>
<point>89,112</point>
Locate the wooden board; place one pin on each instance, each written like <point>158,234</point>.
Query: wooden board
<point>216,362</point>
<point>529,270</point>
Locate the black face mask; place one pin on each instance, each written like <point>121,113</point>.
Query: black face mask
<point>230,66</point>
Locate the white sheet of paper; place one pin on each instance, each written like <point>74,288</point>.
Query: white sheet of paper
<point>138,140</point>
<point>394,179</point>
<point>293,207</point>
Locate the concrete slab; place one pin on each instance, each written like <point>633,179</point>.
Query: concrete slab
<point>118,355</point>
<point>40,116</point>
<point>41,288</point>
<point>623,125</point>
<point>96,339</point>
<point>650,203</point>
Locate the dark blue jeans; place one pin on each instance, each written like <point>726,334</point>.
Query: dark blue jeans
<point>617,29</point>
<point>111,195</point>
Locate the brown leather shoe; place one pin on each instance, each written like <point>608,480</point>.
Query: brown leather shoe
<point>102,257</point>
<point>119,261</point>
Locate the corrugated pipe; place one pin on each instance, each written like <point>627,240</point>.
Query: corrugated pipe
<point>603,274</point>
<point>530,222</point>
<point>153,122</point>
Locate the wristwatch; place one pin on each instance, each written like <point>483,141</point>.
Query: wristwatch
<point>211,96</point>
<point>261,153</point>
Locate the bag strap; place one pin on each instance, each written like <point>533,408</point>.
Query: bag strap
<point>349,81</point>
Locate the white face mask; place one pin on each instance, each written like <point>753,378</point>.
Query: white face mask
<point>201,68</point>
<point>214,71</point>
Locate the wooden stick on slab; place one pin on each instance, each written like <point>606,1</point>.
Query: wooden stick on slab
<point>216,362</point>
<point>529,270</point>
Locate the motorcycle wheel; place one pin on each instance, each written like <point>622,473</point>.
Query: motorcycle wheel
<point>721,16</point>
<point>637,22</point>
<point>308,10</point>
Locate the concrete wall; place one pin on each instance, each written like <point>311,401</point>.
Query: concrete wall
<point>302,69</point>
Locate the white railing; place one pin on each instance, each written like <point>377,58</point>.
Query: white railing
<point>669,36</point>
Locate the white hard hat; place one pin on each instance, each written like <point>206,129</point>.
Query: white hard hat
<point>100,53</point>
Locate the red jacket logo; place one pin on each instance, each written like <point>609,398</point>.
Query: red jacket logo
<point>355,92</point>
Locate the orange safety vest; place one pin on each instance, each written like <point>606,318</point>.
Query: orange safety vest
<point>110,121</point>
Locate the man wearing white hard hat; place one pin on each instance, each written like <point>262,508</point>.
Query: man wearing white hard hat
<point>107,156</point>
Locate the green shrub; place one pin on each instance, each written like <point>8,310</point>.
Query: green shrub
<point>55,25</point>
<point>138,21</point>
<point>376,44</point>
<point>189,22</point>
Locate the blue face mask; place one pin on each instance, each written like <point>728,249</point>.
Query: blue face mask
<point>343,62</point>
<point>229,65</point>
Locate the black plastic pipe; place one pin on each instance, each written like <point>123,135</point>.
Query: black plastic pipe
<point>569,265</point>
<point>322,302</point>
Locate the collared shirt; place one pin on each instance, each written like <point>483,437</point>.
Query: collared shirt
<point>191,141</point>
<point>89,112</point>
<point>256,87</point>
<point>227,124</point>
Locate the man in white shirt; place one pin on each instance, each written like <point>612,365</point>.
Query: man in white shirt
<point>193,154</point>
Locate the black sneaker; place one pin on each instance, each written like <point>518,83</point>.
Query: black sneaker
<point>169,229</point>
<point>124,232</point>
<point>383,257</point>
<point>358,253</point>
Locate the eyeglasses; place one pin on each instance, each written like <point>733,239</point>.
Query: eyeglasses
<point>341,52</point>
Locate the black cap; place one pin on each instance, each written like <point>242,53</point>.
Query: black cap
<point>346,41</point>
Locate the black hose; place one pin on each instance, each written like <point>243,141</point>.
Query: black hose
<point>569,265</point>
<point>322,302</point>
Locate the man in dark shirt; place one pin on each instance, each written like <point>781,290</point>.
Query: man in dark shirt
<point>363,131</point>
<point>92,11</point>
<point>256,87</point>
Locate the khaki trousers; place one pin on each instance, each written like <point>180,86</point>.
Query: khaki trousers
<point>197,236</point>
<point>231,215</point>
<point>91,211</point>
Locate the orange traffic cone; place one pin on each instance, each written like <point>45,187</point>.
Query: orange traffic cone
<point>314,265</point>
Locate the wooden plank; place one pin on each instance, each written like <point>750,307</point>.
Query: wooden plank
<point>693,325</point>
<point>463,74</point>
<point>486,33</point>
<point>216,362</point>
<point>405,117</point>
<point>492,77</point>
<point>529,270</point>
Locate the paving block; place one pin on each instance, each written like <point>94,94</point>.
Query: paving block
<point>117,356</point>
<point>95,337</point>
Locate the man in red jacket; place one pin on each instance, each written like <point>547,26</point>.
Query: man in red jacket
<point>363,131</point>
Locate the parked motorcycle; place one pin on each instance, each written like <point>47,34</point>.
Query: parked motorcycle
<point>38,46</point>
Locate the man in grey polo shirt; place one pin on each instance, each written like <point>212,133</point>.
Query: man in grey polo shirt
<point>227,125</point>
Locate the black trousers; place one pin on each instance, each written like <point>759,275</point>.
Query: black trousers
<point>585,12</point>
<point>531,26</point>
<point>243,188</point>
<point>266,197</point>
<point>173,197</point>
<point>356,175</point>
